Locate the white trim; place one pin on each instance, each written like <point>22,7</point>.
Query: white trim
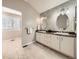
<point>28,43</point>
<point>9,10</point>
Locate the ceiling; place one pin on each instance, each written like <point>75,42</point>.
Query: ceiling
<point>43,5</point>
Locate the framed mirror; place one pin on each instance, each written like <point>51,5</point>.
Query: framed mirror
<point>62,21</point>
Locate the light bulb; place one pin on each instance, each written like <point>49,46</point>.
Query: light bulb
<point>67,12</point>
<point>62,12</point>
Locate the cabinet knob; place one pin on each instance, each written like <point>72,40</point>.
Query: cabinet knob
<point>57,37</point>
<point>61,38</point>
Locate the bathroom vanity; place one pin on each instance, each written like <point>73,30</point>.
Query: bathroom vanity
<point>63,20</point>
<point>59,42</point>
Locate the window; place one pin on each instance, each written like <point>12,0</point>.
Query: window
<point>11,23</point>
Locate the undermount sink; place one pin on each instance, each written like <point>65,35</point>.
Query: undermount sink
<point>42,31</point>
<point>61,33</point>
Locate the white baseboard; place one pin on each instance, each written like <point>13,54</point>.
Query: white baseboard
<point>28,43</point>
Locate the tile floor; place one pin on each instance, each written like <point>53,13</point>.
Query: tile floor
<point>14,50</point>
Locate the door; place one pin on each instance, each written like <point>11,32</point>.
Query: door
<point>47,39</point>
<point>54,42</point>
<point>67,46</point>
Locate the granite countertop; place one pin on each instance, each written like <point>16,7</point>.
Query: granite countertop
<point>57,33</point>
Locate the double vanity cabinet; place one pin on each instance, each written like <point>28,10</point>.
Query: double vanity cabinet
<point>63,44</point>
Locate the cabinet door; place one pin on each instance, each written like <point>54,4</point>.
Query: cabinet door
<point>37,36</point>
<point>67,46</point>
<point>54,42</point>
<point>47,39</point>
<point>40,37</point>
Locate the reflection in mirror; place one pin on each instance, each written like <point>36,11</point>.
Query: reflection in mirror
<point>62,21</point>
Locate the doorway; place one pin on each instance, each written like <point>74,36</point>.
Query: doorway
<point>11,33</point>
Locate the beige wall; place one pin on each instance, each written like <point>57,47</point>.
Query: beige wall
<point>29,16</point>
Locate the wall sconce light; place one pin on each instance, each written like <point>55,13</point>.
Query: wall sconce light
<point>67,12</point>
<point>42,18</point>
<point>64,11</point>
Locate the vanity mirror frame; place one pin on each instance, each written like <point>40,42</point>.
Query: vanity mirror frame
<point>61,18</point>
<point>61,13</point>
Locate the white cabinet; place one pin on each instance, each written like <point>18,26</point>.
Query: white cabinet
<point>48,40</point>
<point>43,38</point>
<point>67,46</point>
<point>63,44</point>
<point>40,37</point>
